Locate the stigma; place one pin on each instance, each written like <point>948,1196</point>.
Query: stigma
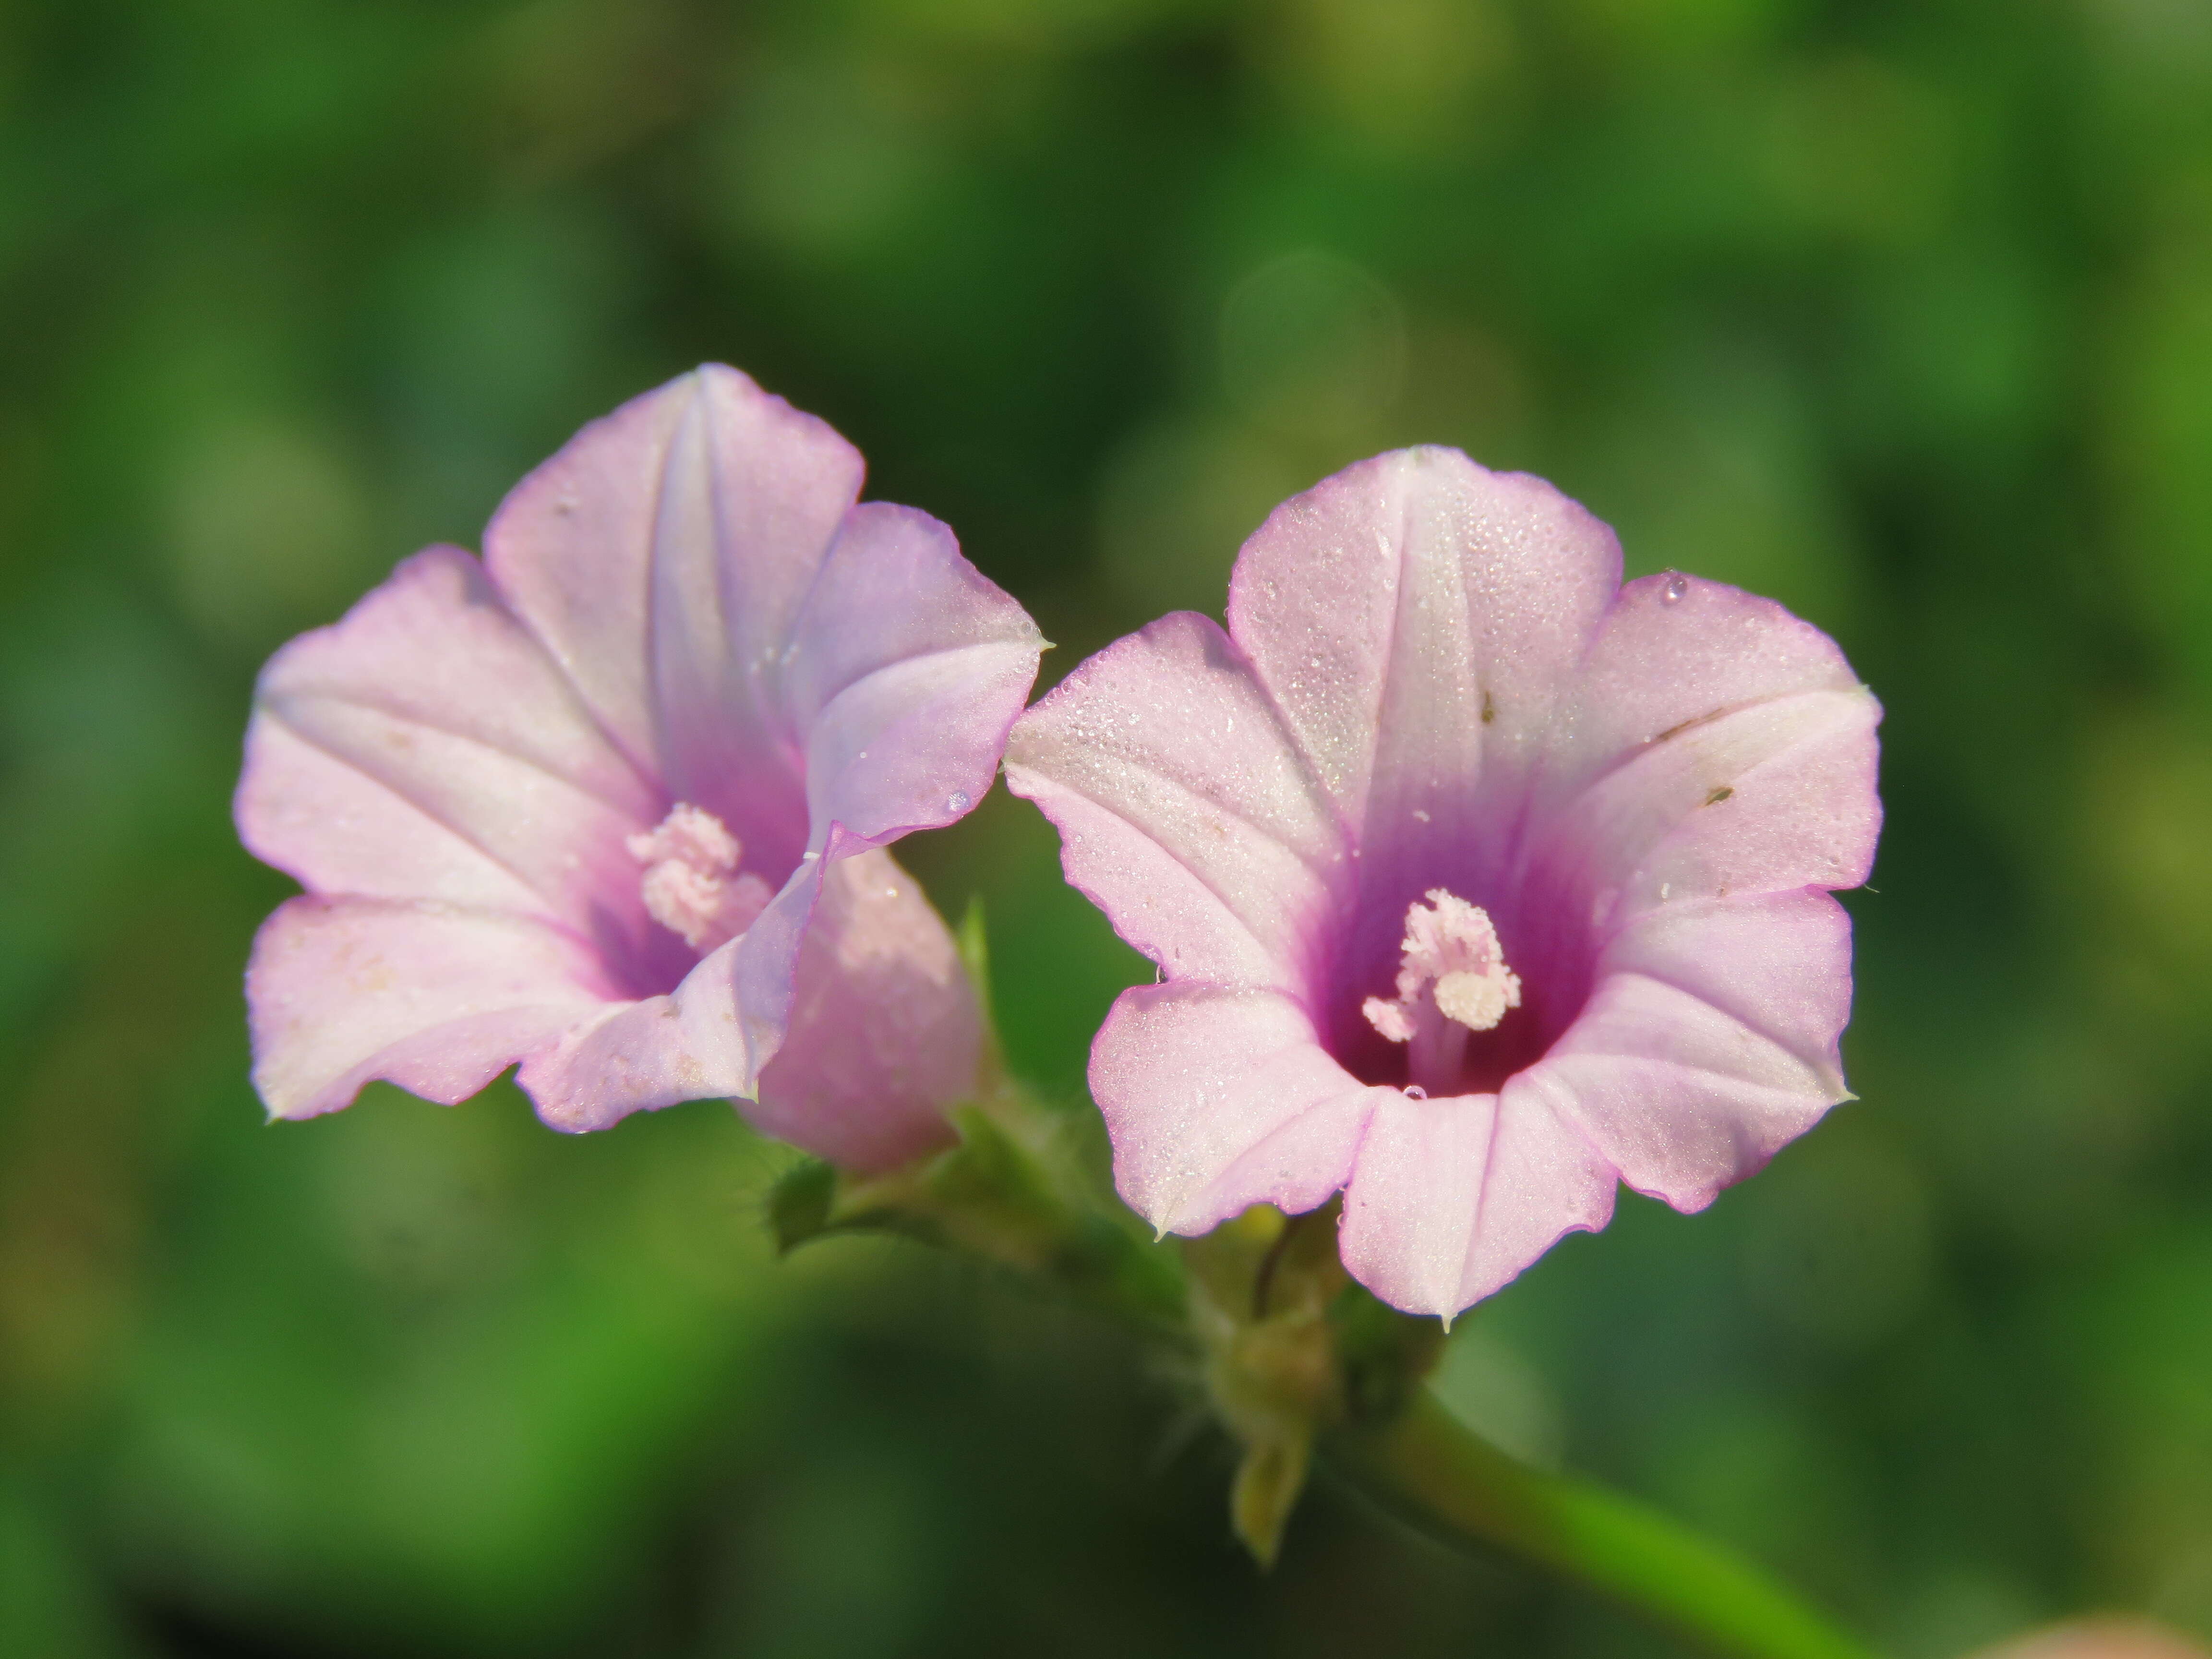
<point>692,885</point>
<point>1452,980</point>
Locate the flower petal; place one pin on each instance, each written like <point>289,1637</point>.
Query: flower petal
<point>1718,745</point>
<point>641,1055</point>
<point>1711,1042</point>
<point>756,978</point>
<point>1419,619</point>
<point>885,1033</point>
<point>426,747</point>
<point>1218,1098</point>
<point>1452,1197</point>
<point>1676,652</point>
<point>335,827</point>
<point>662,556</point>
<point>438,1000</point>
<point>850,963</point>
<point>1185,812</point>
<point>1779,964</point>
<point>1772,796</point>
<point>905,669</point>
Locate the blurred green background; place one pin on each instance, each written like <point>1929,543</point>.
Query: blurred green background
<point>1900,312</point>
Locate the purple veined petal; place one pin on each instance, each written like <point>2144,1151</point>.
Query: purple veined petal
<point>1185,812</point>
<point>437,1000</point>
<point>335,828</point>
<point>1218,1098</point>
<point>1678,652</point>
<point>1711,1041</point>
<point>641,1055</point>
<point>745,999</point>
<point>426,747</point>
<point>1769,798</point>
<point>1453,1198</point>
<point>1417,618</point>
<point>905,670</point>
<point>662,556</point>
<point>765,969</point>
<point>883,1032</point>
<point>1696,696</point>
<point>1777,962</point>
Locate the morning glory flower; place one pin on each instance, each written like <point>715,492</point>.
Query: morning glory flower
<point>610,804</point>
<point>1478,882</point>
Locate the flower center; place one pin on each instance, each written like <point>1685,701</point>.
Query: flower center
<point>1452,980</point>
<point>691,885</point>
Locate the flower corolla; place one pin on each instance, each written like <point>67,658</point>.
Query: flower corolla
<point>612,803</point>
<point>1479,882</point>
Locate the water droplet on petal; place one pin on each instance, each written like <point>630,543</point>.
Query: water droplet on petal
<point>958,801</point>
<point>1415,1092</point>
<point>1676,586</point>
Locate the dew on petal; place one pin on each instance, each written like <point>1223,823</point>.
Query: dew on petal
<point>958,801</point>
<point>1677,585</point>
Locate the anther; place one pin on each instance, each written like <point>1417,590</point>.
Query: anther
<point>1452,980</point>
<point>691,884</point>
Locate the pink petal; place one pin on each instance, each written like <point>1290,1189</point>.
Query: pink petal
<point>1676,652</point>
<point>663,556</point>
<point>426,747</point>
<point>1419,619</point>
<point>437,1000</point>
<point>639,1056</point>
<point>1779,964</point>
<point>1185,812</point>
<point>1711,1042</point>
<point>885,1033</point>
<point>717,1034</point>
<point>1772,796</point>
<point>1718,744</point>
<point>335,827</point>
<point>906,668</point>
<point>1219,1098</point>
<point>1453,1198</point>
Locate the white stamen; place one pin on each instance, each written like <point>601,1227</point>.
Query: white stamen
<point>1477,1001</point>
<point>691,885</point>
<point>1452,980</point>
<point>1388,1017</point>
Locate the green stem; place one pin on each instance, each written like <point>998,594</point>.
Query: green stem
<point>1432,1471</point>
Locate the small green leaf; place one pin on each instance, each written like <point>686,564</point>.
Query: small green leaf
<point>800,1203</point>
<point>1269,1482</point>
<point>975,957</point>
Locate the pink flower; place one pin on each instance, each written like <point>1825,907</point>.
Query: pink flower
<point>610,803</point>
<point>1478,881</point>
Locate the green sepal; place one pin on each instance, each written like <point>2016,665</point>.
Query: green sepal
<point>1294,1352</point>
<point>1010,1193</point>
<point>1270,1476</point>
<point>801,1204</point>
<point>1384,1356</point>
<point>969,941</point>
